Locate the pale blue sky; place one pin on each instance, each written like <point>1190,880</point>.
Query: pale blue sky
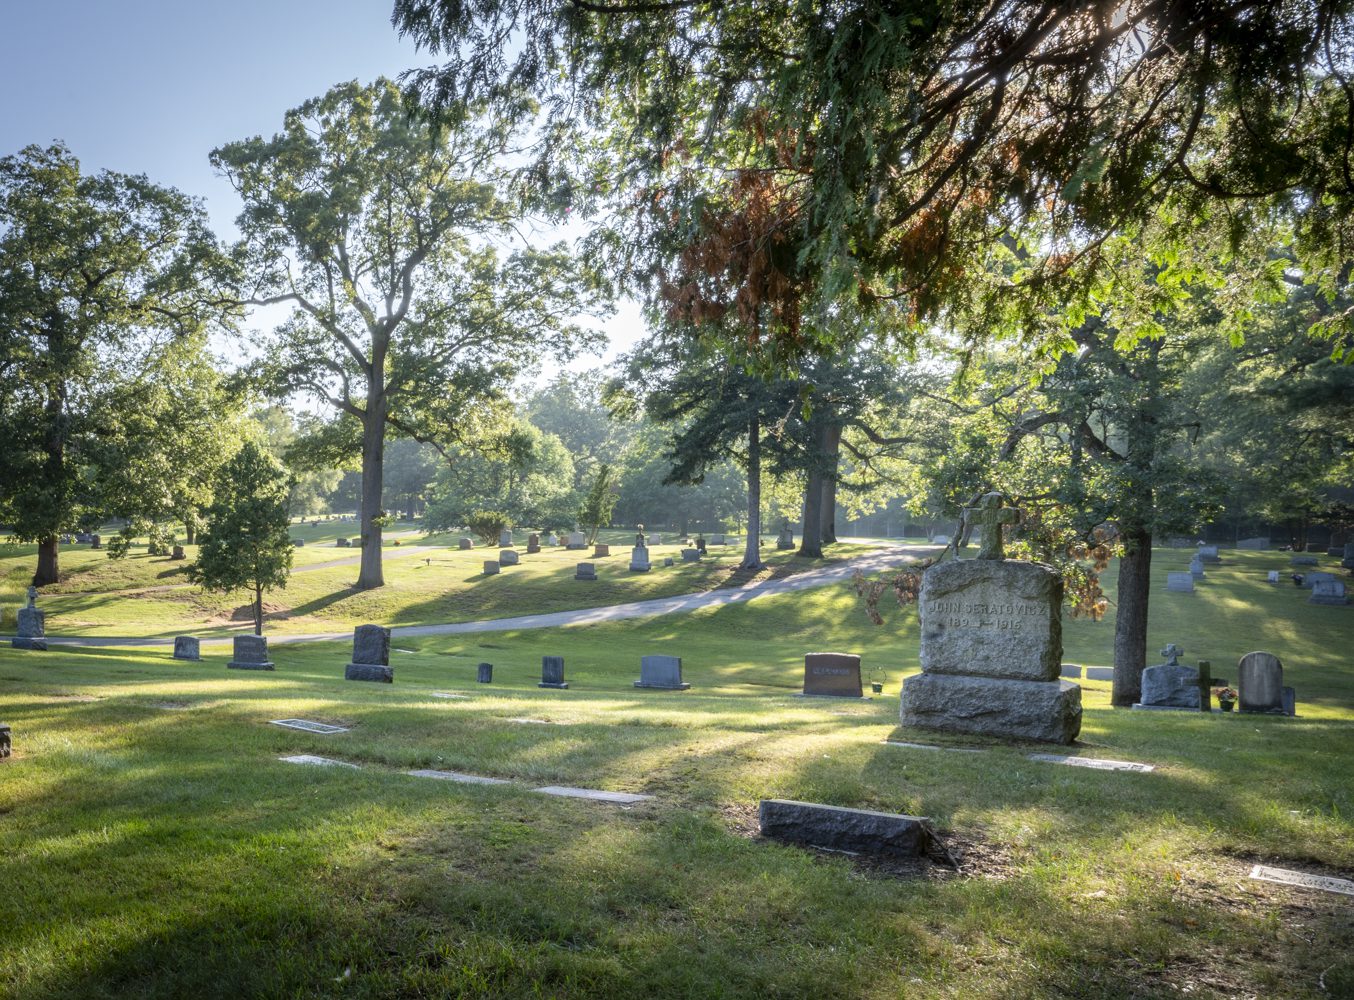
<point>151,86</point>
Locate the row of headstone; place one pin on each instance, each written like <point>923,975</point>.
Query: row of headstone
<point>1260,687</point>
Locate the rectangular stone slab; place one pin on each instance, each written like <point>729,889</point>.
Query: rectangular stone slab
<point>187,647</point>
<point>624,798</point>
<point>1285,877</point>
<point>930,746</point>
<point>833,675</point>
<point>663,673</point>
<point>1095,763</point>
<point>1049,711</point>
<point>465,779</point>
<point>308,758</point>
<point>840,829</point>
<point>992,618</point>
<point>305,725</point>
<point>371,644</point>
<point>369,672</point>
<point>250,653</point>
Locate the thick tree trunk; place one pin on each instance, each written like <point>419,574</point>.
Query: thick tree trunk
<point>373,472</point>
<point>49,557</point>
<point>811,538</point>
<point>831,443</point>
<point>410,507</point>
<point>190,530</point>
<point>1130,621</point>
<point>752,554</point>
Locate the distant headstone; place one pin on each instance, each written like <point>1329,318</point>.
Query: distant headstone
<point>371,655</point>
<point>940,539</point>
<point>601,550</point>
<point>691,555</point>
<point>84,537</point>
<point>5,741</point>
<point>490,567</point>
<point>639,559</point>
<point>32,625</point>
<point>1310,580</point>
<point>552,539</point>
<point>1100,673</point>
<point>178,553</point>
<point>552,672</point>
<point>1260,684</point>
<point>1196,567</point>
<point>187,647</point>
<point>297,543</point>
<point>1070,671</point>
<point>533,543</point>
<point>700,544</point>
<point>855,830</point>
<point>663,673</point>
<point>832,675</point>
<point>466,543</point>
<point>508,557</point>
<point>1209,553</point>
<point>1253,544</point>
<point>1303,561</point>
<point>505,539</point>
<point>486,673</point>
<point>1182,583</point>
<point>342,543</point>
<point>717,540</point>
<point>1348,560</point>
<point>991,645</point>
<point>577,540</point>
<point>585,571</point>
<point>96,541</point>
<point>1170,684</point>
<point>667,560</point>
<point>1272,576</point>
<point>251,653</point>
<point>786,538</point>
<point>1329,592</point>
<point>152,549</point>
<point>655,539</point>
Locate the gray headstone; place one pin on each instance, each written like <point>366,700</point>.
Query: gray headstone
<point>691,555</point>
<point>858,830</point>
<point>1258,544</point>
<point>178,553</point>
<point>552,539</point>
<point>32,627</point>
<point>1329,592</point>
<point>342,543</point>
<point>490,567</point>
<point>1310,580</point>
<point>552,672</point>
<point>96,541</point>
<point>251,653</point>
<point>991,706</point>
<point>1209,553</point>
<point>1272,576</point>
<point>1285,876</point>
<point>667,560</point>
<point>601,550</point>
<point>1070,671</point>
<point>371,655</point>
<point>1095,763</point>
<point>533,543</point>
<point>585,571</point>
<point>466,543</point>
<point>5,741</point>
<point>465,779</point>
<point>1303,561</point>
<point>508,557</point>
<point>594,794</point>
<point>1100,673</point>
<point>1290,701</point>
<point>1181,583</point>
<point>187,647</point>
<point>833,675</point>
<point>1196,567</point>
<point>717,540</point>
<point>940,539</point>
<point>485,674</point>
<point>505,539</point>
<point>577,540</point>
<point>1170,685</point>
<point>655,539</point>
<point>661,672</point>
<point>639,559</point>
<point>1260,683</point>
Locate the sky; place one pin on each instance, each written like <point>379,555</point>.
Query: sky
<point>152,86</point>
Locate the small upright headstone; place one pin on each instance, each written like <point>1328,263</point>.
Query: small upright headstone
<point>639,559</point>
<point>1170,684</point>
<point>490,567</point>
<point>187,647</point>
<point>832,675</point>
<point>251,653</point>
<point>663,673</point>
<point>1272,576</point>
<point>1253,544</point>
<point>371,655</point>
<point>552,539</point>
<point>717,539</point>
<point>32,625</point>
<point>552,672</point>
<point>1310,580</point>
<point>655,539</point>
<point>1209,553</point>
<point>505,539</point>
<point>786,538</point>
<point>1329,592</point>
<point>1260,683</point>
<point>1182,583</point>
<point>601,550</point>
<point>4,741</point>
<point>940,539</point>
<point>691,555</point>
<point>667,560</point>
<point>179,554</point>
<point>585,571</point>
<point>465,544</point>
<point>96,541</point>
<point>1303,561</point>
<point>577,540</point>
<point>700,544</point>
<point>533,543</point>
<point>1347,562</point>
<point>508,557</point>
<point>1196,567</point>
<point>486,673</point>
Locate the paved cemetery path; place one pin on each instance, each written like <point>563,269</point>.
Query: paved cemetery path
<point>871,562</point>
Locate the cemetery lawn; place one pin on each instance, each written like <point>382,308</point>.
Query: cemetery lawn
<point>155,846</point>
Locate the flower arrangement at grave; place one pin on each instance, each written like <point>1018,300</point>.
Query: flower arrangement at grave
<point>1226,696</point>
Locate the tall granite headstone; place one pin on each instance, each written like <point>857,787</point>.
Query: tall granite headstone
<point>371,655</point>
<point>1329,592</point>
<point>552,673</point>
<point>32,625</point>
<point>251,653</point>
<point>1259,684</point>
<point>505,539</point>
<point>991,644</point>
<point>639,559</point>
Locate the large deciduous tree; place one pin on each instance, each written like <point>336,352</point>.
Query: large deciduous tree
<point>99,276</point>
<point>374,224</point>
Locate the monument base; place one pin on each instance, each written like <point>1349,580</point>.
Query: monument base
<point>369,672</point>
<point>1048,711</point>
<point>233,665</point>
<point>663,687</point>
<point>558,687</point>
<point>847,697</point>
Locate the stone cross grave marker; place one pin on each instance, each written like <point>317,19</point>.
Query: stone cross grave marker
<point>371,655</point>
<point>663,673</point>
<point>989,516</point>
<point>1170,684</point>
<point>552,673</point>
<point>250,653</point>
<point>832,675</point>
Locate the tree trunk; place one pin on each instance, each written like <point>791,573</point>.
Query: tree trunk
<point>831,441</point>
<point>49,549</point>
<point>410,507</point>
<point>258,610</point>
<point>190,530</point>
<point>373,470</point>
<point>811,538</point>
<point>1130,621</point>
<point>752,554</point>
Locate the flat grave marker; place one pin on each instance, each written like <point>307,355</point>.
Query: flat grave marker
<point>310,758</point>
<point>1303,880</point>
<point>596,795</point>
<point>930,746</point>
<point>457,776</point>
<point>305,725</point>
<point>854,830</point>
<point>1095,763</point>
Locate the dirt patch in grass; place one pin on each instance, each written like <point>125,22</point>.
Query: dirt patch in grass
<point>245,613</point>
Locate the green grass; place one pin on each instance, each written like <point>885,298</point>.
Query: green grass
<point>154,846</point>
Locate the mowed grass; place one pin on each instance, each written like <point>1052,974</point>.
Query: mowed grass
<point>155,846</point>
<point>428,580</point>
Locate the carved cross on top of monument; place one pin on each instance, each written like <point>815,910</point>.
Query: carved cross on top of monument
<point>990,515</point>
<point>1172,653</point>
<point>32,596</point>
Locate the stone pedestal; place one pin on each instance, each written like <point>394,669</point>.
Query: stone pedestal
<point>639,559</point>
<point>251,653</point>
<point>371,655</point>
<point>991,652</point>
